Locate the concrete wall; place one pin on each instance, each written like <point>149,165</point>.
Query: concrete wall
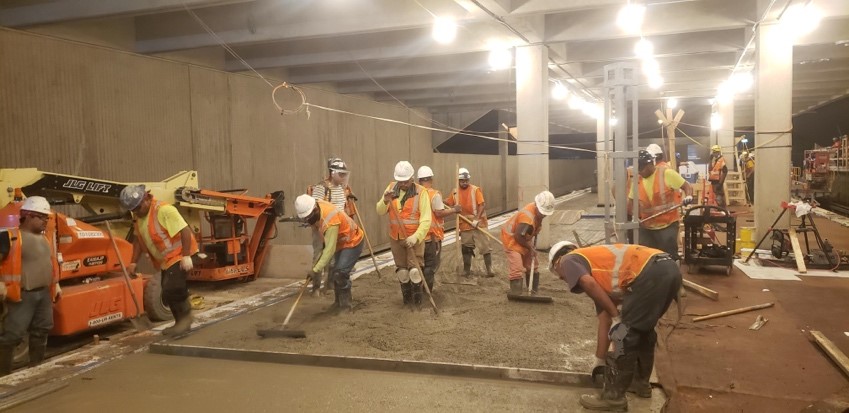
<point>566,175</point>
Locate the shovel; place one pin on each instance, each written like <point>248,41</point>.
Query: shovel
<point>140,322</point>
<point>283,332</point>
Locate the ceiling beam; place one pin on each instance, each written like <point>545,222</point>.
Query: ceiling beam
<point>470,64</point>
<point>428,82</point>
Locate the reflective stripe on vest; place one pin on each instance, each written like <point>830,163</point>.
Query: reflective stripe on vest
<point>170,248</point>
<point>621,275</point>
<point>437,224</point>
<point>399,220</point>
<point>663,199</point>
<point>473,199</point>
<point>509,228</point>
<point>348,229</point>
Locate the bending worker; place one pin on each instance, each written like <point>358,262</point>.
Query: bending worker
<point>433,242</point>
<point>473,207</point>
<point>166,237</point>
<point>343,241</point>
<point>717,174</point>
<point>30,274</point>
<point>409,222</point>
<point>517,235</point>
<point>645,281</point>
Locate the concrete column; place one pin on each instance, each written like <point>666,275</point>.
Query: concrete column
<point>725,134</point>
<point>601,167</point>
<point>532,127</point>
<point>773,113</point>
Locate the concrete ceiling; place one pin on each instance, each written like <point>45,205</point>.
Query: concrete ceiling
<point>383,48</point>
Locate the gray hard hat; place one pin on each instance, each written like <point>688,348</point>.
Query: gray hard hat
<point>132,196</point>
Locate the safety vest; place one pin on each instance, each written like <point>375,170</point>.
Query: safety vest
<point>170,248</point>
<point>615,267</point>
<point>525,215</point>
<point>468,205</point>
<point>349,205</point>
<point>437,224</point>
<point>350,234</point>
<point>11,267</point>
<point>663,198</point>
<point>716,166</point>
<point>404,223</point>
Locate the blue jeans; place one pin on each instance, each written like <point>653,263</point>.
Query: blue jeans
<point>33,314</point>
<point>345,260</point>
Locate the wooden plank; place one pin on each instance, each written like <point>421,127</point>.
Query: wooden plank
<point>707,292</point>
<point>833,352</point>
<point>732,312</point>
<point>797,251</point>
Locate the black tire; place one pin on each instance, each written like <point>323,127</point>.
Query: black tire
<point>154,307</point>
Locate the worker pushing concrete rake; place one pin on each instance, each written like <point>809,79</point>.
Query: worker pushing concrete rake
<point>283,332</point>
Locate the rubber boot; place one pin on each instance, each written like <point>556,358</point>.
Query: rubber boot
<point>487,260</point>
<point>617,377</point>
<point>640,385</point>
<point>417,295</point>
<point>175,312</point>
<point>467,263</point>
<point>37,347</point>
<point>407,292</point>
<point>6,355</point>
<point>184,321</point>
<point>344,297</point>
<point>516,286</point>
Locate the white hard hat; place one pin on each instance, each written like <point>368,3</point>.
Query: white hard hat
<point>552,253</point>
<point>545,202</point>
<point>403,171</point>
<point>424,172</point>
<point>304,205</point>
<point>654,149</point>
<point>132,196</point>
<point>463,173</point>
<point>36,204</point>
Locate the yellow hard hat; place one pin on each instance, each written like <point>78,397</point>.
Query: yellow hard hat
<point>716,148</point>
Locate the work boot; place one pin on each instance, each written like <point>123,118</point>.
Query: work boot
<point>535,286</point>
<point>467,262</point>
<point>183,317</point>
<point>641,388</point>
<point>487,260</point>
<point>37,347</point>
<point>417,295</point>
<point>596,402</point>
<point>344,297</point>
<point>407,293</point>
<point>6,355</point>
<point>516,286</point>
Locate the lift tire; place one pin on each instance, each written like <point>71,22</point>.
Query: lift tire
<point>154,307</point>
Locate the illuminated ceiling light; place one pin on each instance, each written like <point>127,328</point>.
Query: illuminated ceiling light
<point>650,67</point>
<point>644,49</point>
<point>614,121</point>
<point>559,92</point>
<point>660,121</point>
<point>575,102</point>
<point>500,58</point>
<point>655,81</point>
<point>801,18</point>
<point>671,103</point>
<point>744,140</point>
<point>725,93</point>
<point>715,121</point>
<point>444,30</point>
<point>741,81</point>
<point>630,18</point>
<point>592,110</point>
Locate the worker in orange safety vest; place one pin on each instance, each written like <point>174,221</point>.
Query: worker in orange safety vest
<point>30,273</point>
<point>473,207</point>
<point>717,172</point>
<point>517,235</point>
<point>433,242</point>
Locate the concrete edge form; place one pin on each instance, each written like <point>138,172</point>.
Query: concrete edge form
<point>368,363</point>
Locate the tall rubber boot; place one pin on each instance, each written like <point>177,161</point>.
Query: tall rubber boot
<point>616,379</point>
<point>640,385</point>
<point>407,292</point>
<point>535,286</point>
<point>467,261</point>
<point>417,295</point>
<point>175,312</point>
<point>344,297</point>
<point>37,348</point>
<point>6,355</point>
<point>516,286</point>
<point>184,322</point>
<point>487,260</point>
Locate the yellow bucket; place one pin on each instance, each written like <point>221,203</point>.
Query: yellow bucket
<point>746,234</point>
<point>737,246</point>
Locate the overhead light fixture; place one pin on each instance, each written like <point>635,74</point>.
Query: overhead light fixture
<point>559,92</point>
<point>614,121</point>
<point>660,121</point>
<point>744,140</point>
<point>725,93</point>
<point>500,58</point>
<point>741,81</point>
<point>630,18</point>
<point>715,121</point>
<point>801,18</point>
<point>592,109</point>
<point>644,49</point>
<point>671,103</point>
<point>444,30</point>
<point>655,81</point>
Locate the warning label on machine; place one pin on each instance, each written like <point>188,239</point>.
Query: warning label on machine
<point>99,321</point>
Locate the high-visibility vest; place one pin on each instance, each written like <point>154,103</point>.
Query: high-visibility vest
<point>663,198</point>
<point>437,224</point>
<point>615,267</point>
<point>12,266</point>
<point>406,222</point>
<point>326,184</point>
<point>467,199</point>
<point>350,234</point>
<point>170,248</point>
<point>525,215</point>
<point>716,166</point>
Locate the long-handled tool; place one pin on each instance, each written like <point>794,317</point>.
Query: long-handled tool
<point>481,230</point>
<point>283,332</point>
<point>368,243</point>
<point>661,213</point>
<point>140,322</point>
<point>531,298</point>
<point>457,225</point>
<point>410,252</point>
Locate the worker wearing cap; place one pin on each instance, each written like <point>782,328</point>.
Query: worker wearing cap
<point>342,239</point>
<point>659,201</point>
<point>170,243</point>
<point>335,190</point>
<point>644,281</point>
<point>518,235</point>
<point>473,207</point>
<point>717,173</point>
<point>656,151</point>
<point>433,242</point>
<point>747,164</point>
<point>30,273</point>
<point>408,207</point>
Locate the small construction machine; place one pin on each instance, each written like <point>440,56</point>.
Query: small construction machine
<point>94,293</point>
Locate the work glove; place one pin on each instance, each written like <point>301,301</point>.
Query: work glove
<point>618,331</point>
<point>186,263</point>
<point>57,294</point>
<point>475,223</point>
<point>411,241</point>
<point>687,200</point>
<point>354,197</point>
<point>2,291</point>
<point>457,208</point>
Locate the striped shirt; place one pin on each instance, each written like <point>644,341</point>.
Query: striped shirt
<point>337,195</point>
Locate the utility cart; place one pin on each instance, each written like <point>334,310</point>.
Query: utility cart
<point>701,245</point>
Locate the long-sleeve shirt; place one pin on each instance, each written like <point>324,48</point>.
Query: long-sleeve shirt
<point>330,237</point>
<point>425,212</point>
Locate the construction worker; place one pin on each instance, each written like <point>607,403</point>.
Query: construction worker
<point>335,190</point>
<point>169,242</point>
<point>342,239</point>
<point>433,242</point>
<point>658,194</point>
<point>717,173</point>
<point>30,274</point>
<point>473,208</point>
<point>644,281</point>
<point>656,151</point>
<point>747,164</point>
<point>517,235</point>
<point>409,223</point>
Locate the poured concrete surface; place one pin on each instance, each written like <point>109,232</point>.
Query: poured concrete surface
<point>150,383</point>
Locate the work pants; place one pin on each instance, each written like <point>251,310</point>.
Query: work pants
<point>33,315</point>
<point>664,239</point>
<point>475,238</point>
<point>518,265</point>
<point>432,259</point>
<point>718,193</point>
<point>175,291</point>
<point>345,260</point>
<point>403,260</point>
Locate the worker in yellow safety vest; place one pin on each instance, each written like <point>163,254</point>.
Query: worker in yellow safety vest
<point>408,206</point>
<point>717,172</point>
<point>473,207</point>
<point>30,273</point>
<point>747,164</point>
<point>517,236</point>
<point>644,281</point>
<point>433,242</point>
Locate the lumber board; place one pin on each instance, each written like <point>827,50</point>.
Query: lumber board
<point>833,352</point>
<point>707,292</point>
<point>732,312</point>
<point>797,251</point>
